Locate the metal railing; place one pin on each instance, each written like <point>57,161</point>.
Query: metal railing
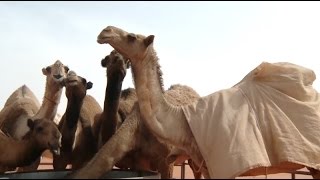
<point>293,174</point>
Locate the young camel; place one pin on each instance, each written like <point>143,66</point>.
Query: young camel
<point>43,134</point>
<point>133,145</point>
<point>25,106</point>
<point>78,142</point>
<point>163,119</point>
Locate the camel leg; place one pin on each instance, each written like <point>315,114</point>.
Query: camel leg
<point>61,161</point>
<point>165,169</point>
<point>314,173</point>
<point>195,169</point>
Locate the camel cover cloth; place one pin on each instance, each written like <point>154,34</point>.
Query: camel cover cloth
<point>272,116</point>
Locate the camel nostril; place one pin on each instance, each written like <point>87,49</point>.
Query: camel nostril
<point>57,76</point>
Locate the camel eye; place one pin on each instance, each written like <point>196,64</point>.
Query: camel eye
<point>131,37</point>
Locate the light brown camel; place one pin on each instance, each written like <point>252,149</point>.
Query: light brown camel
<point>150,81</point>
<point>77,148</point>
<point>15,124</point>
<point>161,117</point>
<point>22,104</point>
<point>43,134</point>
<point>133,146</point>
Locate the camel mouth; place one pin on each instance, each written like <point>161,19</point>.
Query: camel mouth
<point>72,83</point>
<point>71,80</point>
<point>54,149</point>
<point>56,152</point>
<point>58,80</point>
<point>103,40</point>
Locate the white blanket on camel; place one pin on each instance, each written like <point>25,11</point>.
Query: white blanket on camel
<point>269,118</point>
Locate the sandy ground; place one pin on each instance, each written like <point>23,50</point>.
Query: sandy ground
<point>46,163</point>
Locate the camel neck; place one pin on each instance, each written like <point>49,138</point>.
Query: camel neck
<point>112,94</point>
<point>149,90</point>
<point>70,120</point>
<point>148,80</point>
<point>111,106</point>
<point>50,101</point>
<point>73,111</point>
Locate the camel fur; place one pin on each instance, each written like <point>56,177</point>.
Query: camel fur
<point>163,119</point>
<point>112,116</point>
<point>133,145</point>
<point>78,142</point>
<point>43,134</point>
<point>22,104</point>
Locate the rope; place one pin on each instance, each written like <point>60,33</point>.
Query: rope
<point>197,171</point>
<point>50,100</point>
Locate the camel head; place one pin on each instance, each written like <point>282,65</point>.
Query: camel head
<point>132,46</point>
<point>56,72</point>
<point>76,86</point>
<point>46,134</point>
<point>116,64</point>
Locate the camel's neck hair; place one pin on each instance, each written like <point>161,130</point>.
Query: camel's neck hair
<point>153,60</point>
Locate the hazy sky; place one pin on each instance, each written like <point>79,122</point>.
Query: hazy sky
<point>207,45</point>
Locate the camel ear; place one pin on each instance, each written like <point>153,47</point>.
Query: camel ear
<point>105,61</point>
<point>148,40</point>
<point>66,68</point>
<point>46,70</point>
<point>30,123</point>
<point>89,85</point>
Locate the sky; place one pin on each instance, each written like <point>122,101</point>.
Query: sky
<point>206,45</point>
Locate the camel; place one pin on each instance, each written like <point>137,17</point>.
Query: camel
<point>43,134</point>
<point>22,104</point>
<point>78,142</point>
<point>163,119</point>
<point>114,113</point>
<point>14,123</point>
<point>133,145</point>
<point>112,117</point>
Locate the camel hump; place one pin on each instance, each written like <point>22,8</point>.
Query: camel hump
<point>181,95</point>
<point>22,92</point>
<point>127,93</point>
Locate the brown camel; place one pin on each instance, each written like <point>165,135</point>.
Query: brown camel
<point>112,117</point>
<point>133,145</point>
<point>22,104</point>
<point>43,134</point>
<point>78,142</point>
<point>163,119</point>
